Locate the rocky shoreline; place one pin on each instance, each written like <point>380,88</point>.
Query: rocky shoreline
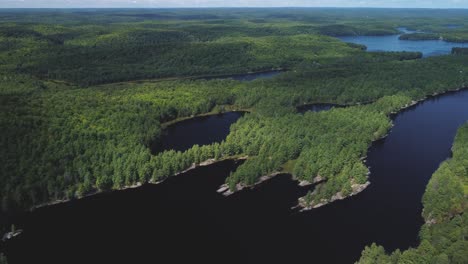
<point>137,184</point>
<point>222,188</point>
<point>358,188</point>
<point>11,235</point>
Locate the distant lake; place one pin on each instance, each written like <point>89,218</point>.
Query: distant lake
<point>393,43</point>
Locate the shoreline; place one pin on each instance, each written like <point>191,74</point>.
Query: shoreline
<point>358,188</point>
<point>301,207</point>
<point>137,184</point>
<point>225,191</point>
<point>211,113</point>
<point>265,178</point>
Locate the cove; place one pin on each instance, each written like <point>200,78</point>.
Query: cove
<point>184,220</point>
<point>202,130</point>
<point>393,43</point>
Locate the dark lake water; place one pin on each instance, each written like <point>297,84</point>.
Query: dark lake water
<point>201,130</point>
<point>393,43</point>
<point>206,130</point>
<point>184,220</point>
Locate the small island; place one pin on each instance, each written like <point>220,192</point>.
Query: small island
<point>420,36</point>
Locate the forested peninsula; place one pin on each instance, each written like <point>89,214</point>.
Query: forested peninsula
<point>72,126</point>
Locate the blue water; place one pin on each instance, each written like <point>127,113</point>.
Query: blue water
<point>393,43</point>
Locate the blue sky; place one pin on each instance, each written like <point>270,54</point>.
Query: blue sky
<point>235,3</point>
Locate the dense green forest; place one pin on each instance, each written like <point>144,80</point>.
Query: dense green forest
<point>443,236</point>
<point>419,36</point>
<point>86,48</point>
<point>69,140</point>
<point>72,125</point>
<point>83,94</point>
<point>460,51</point>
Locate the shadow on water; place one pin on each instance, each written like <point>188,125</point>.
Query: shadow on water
<point>184,220</point>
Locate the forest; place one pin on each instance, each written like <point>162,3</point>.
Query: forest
<point>70,140</point>
<point>73,126</point>
<point>420,36</point>
<point>458,51</point>
<point>83,94</point>
<point>88,48</point>
<point>443,236</point>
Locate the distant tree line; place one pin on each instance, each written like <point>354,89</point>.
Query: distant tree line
<point>460,51</point>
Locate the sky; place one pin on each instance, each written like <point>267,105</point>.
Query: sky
<point>233,3</point>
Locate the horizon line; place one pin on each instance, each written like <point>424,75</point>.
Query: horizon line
<point>238,7</point>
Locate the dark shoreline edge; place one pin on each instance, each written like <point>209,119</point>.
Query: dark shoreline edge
<point>360,188</point>
<point>212,161</point>
<point>265,178</point>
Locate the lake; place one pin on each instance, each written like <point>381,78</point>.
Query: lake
<point>393,43</point>
<point>184,219</point>
<point>205,130</point>
<point>202,130</point>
